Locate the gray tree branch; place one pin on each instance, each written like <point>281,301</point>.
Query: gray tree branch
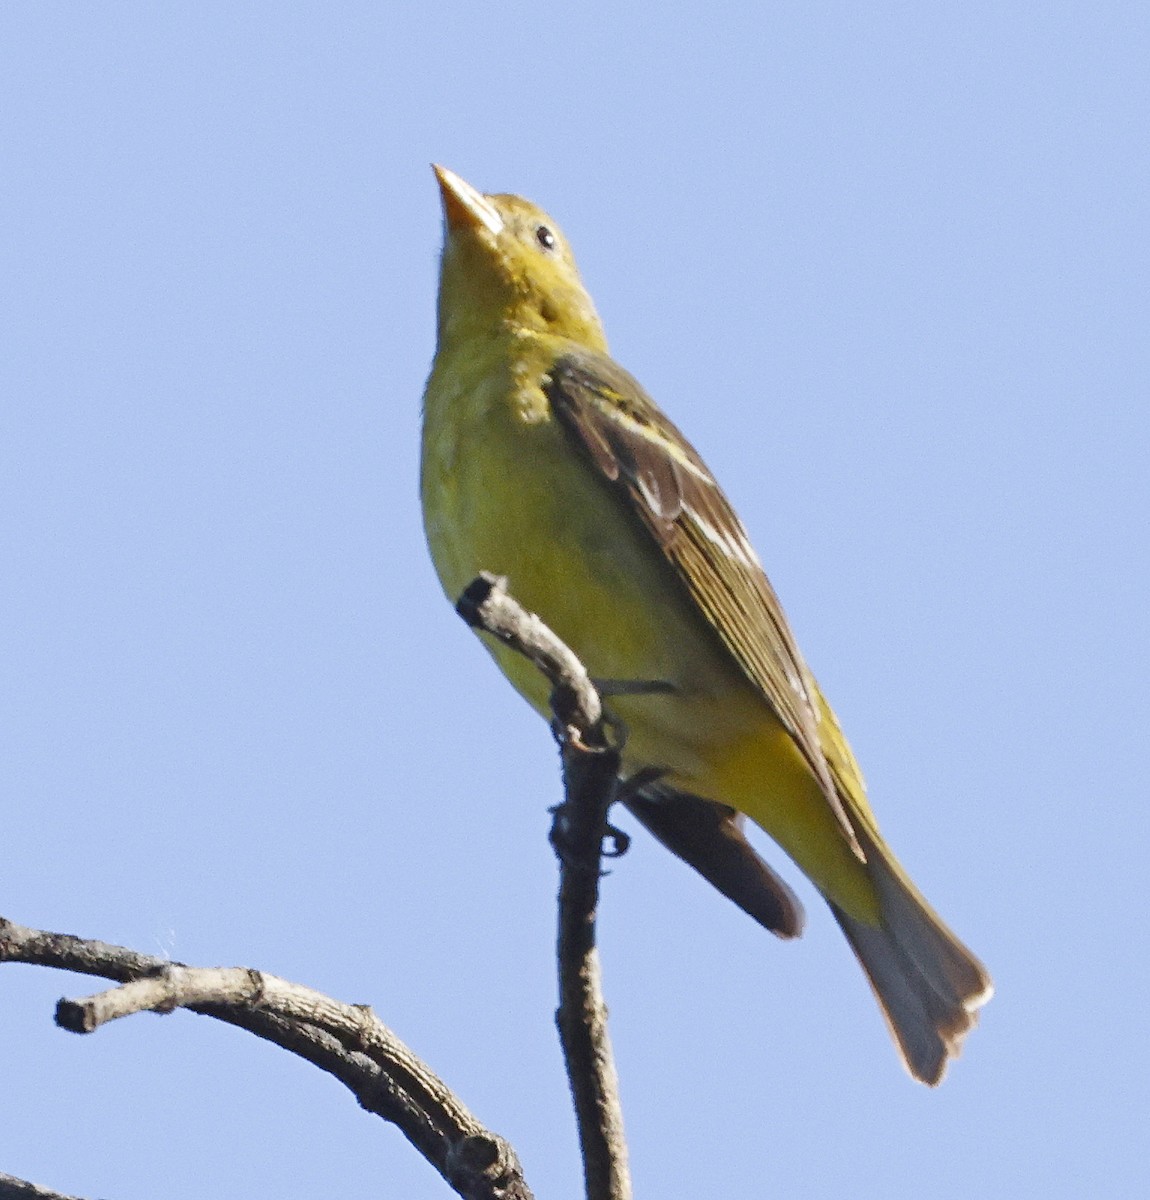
<point>349,1041</point>
<point>12,1188</point>
<point>346,1040</point>
<point>590,778</point>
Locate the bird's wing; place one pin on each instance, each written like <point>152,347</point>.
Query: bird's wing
<point>710,838</point>
<point>665,485</point>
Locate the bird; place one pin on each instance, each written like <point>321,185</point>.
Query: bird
<point>545,462</point>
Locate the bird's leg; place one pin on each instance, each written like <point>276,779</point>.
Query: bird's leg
<point>633,687</point>
<point>645,775</point>
<point>623,790</point>
<point>642,779</point>
<point>614,729</point>
<point>626,687</point>
<point>619,839</point>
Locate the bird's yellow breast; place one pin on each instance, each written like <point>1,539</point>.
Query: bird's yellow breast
<point>505,491</point>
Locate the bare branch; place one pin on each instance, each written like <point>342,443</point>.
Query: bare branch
<point>486,604</point>
<point>12,1188</point>
<point>590,777</point>
<point>346,1040</point>
<point>349,1041</point>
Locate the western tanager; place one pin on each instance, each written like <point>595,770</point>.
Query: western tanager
<point>547,463</point>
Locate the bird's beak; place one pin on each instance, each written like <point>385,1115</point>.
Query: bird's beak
<point>463,206</point>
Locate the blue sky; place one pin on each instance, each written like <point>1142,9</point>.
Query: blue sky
<point>885,264</point>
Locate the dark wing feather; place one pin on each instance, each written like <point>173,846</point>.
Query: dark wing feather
<point>664,483</point>
<point>710,838</point>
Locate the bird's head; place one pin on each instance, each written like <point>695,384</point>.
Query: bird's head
<point>506,263</point>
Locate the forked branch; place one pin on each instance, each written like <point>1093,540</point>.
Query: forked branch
<point>349,1041</point>
<point>346,1040</point>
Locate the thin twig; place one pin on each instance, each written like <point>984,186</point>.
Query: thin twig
<point>590,776</point>
<point>577,834</point>
<point>487,605</point>
<point>346,1040</point>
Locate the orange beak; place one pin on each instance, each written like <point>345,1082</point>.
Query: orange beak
<point>463,206</point>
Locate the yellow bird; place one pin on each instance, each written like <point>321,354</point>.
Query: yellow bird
<point>546,462</point>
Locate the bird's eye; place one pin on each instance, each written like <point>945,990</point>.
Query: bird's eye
<point>545,237</point>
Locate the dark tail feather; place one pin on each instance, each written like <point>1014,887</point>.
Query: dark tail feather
<point>929,985</point>
<point>710,838</point>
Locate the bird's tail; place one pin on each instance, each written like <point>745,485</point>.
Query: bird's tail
<point>929,985</point>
